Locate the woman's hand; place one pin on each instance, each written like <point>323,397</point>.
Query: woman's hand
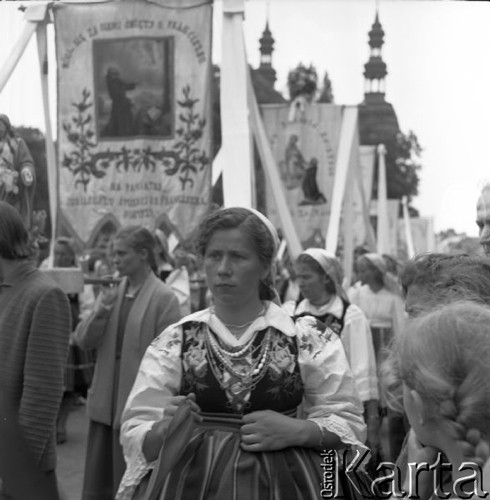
<point>156,435</point>
<point>269,430</point>
<point>108,297</point>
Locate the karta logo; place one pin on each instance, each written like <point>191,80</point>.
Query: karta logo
<point>395,483</point>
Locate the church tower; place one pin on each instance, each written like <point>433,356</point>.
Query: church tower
<point>377,118</point>
<point>264,77</point>
<point>266,49</point>
<point>375,69</point>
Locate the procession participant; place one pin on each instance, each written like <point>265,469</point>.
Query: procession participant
<point>245,367</point>
<point>34,333</point>
<point>17,174</point>
<point>80,363</point>
<point>483,218</point>
<point>319,276</point>
<point>378,297</point>
<point>126,318</point>
<point>442,360</point>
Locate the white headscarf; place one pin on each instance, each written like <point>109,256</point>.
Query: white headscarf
<point>390,281</point>
<point>270,227</point>
<point>330,266</point>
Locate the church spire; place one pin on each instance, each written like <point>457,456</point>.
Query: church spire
<point>375,69</point>
<point>266,50</point>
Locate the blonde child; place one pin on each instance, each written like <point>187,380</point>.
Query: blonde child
<point>442,359</point>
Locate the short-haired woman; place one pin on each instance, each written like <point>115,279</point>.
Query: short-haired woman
<point>126,318</point>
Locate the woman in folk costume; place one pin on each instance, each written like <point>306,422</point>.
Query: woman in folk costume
<point>124,322</point>
<point>217,393</point>
<point>319,275</point>
<point>379,298</point>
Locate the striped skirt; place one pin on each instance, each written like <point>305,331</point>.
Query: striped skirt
<point>214,467</point>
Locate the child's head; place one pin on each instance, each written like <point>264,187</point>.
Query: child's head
<point>443,359</point>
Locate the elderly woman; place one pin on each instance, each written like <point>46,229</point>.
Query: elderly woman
<point>244,367</point>
<point>319,276</point>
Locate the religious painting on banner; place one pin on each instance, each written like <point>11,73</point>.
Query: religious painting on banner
<point>134,131</point>
<point>304,146</point>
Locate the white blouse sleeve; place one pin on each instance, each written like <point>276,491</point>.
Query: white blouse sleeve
<point>157,381</point>
<point>358,343</point>
<point>331,399</point>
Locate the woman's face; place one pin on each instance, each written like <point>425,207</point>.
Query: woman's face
<point>63,256</point>
<point>233,268</point>
<point>312,284</point>
<point>366,272</point>
<point>128,261</point>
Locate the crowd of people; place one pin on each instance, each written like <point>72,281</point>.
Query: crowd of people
<point>212,374</point>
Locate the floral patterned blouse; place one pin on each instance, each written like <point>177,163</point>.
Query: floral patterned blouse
<point>306,366</point>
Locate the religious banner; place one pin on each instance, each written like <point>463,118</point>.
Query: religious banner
<point>362,201</point>
<point>304,145</point>
<point>393,208</point>
<point>134,131</point>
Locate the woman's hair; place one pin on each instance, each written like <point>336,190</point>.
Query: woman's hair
<point>317,268</point>
<point>444,355</point>
<point>254,229</point>
<point>139,238</point>
<point>15,243</point>
<point>449,277</point>
<point>426,268</point>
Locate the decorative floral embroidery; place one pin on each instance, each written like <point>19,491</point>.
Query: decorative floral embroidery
<point>282,368</point>
<point>166,342</point>
<point>312,342</point>
<point>194,360</point>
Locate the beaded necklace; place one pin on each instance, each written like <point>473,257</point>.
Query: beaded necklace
<point>221,360</point>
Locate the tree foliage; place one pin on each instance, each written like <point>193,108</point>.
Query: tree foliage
<point>303,80</point>
<point>326,93</point>
<point>403,155</point>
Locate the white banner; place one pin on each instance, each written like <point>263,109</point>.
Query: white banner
<point>134,114</point>
<point>305,151</point>
<point>393,209</point>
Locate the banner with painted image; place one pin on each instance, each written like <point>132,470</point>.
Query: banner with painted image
<point>134,131</point>
<point>304,146</point>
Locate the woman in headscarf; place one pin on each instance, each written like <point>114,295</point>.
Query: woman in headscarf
<point>241,368</point>
<point>319,276</point>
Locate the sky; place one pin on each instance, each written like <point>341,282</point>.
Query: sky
<point>437,55</point>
